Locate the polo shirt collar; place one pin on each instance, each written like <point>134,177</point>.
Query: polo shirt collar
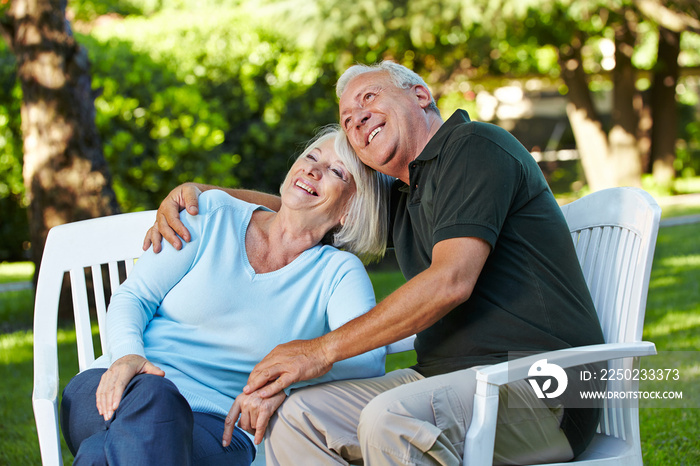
<point>432,149</point>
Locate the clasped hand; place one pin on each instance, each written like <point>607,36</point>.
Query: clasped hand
<point>254,412</point>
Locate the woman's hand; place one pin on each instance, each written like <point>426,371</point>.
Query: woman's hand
<point>114,381</point>
<point>168,224</point>
<point>255,413</point>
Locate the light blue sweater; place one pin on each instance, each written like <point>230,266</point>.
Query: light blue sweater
<point>206,318</point>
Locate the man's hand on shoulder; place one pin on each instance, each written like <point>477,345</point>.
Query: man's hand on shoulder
<point>168,224</point>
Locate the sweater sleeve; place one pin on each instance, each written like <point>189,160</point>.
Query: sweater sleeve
<point>137,300</point>
<point>351,297</point>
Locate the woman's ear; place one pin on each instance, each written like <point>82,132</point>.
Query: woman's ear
<point>343,219</point>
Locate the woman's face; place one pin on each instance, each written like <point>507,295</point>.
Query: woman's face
<point>320,181</point>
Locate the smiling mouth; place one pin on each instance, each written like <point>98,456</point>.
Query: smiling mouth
<point>306,187</point>
<point>374,133</point>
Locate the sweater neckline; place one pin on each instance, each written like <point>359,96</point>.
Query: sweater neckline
<point>297,262</point>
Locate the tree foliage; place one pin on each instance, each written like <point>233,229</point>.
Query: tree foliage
<point>231,108</point>
<point>590,45</point>
<point>14,228</point>
<point>225,91</point>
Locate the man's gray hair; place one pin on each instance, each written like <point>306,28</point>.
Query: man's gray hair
<point>366,227</point>
<point>401,76</point>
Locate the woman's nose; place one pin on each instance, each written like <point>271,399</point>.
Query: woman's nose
<point>313,171</point>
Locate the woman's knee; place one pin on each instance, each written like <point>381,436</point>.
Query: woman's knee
<point>151,398</point>
<point>79,418</point>
<point>155,391</point>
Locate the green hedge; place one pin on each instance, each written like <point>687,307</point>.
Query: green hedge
<point>209,95</point>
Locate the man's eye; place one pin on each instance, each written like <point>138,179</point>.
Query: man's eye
<point>369,96</point>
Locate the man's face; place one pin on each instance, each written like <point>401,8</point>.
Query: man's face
<point>386,125</point>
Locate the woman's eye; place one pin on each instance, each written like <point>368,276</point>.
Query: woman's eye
<point>311,157</point>
<point>337,172</point>
<point>347,122</point>
<point>369,96</point>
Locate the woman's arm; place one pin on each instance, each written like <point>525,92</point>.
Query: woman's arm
<point>136,301</point>
<point>132,307</point>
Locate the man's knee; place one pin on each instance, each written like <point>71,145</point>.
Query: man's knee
<point>417,415</point>
<point>294,410</point>
<point>292,422</point>
<point>377,415</point>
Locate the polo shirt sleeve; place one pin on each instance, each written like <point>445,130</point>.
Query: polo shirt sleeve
<point>478,183</point>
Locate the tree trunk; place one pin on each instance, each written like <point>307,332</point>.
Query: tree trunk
<point>65,173</point>
<point>591,139</point>
<point>664,116</point>
<point>624,149</point>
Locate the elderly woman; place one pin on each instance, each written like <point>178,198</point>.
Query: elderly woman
<point>187,327</point>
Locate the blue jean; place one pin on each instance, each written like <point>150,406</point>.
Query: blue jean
<point>153,425</point>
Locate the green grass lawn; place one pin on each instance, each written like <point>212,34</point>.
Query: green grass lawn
<point>669,435</point>
<point>16,271</point>
<point>672,322</point>
<point>16,307</point>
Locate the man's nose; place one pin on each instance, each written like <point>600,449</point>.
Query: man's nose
<point>360,117</point>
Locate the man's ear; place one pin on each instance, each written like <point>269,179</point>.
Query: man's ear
<point>423,95</point>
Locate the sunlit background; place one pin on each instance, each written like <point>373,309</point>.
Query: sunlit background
<point>225,92</point>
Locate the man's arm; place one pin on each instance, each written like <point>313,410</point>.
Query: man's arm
<point>418,304</point>
<point>168,224</point>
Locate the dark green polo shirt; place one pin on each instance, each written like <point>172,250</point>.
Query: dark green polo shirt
<point>476,180</point>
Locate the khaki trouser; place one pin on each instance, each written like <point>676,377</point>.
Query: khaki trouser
<point>403,418</point>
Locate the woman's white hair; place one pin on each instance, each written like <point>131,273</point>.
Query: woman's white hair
<point>366,227</point>
<point>401,76</point>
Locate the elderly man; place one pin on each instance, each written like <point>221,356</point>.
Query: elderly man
<point>491,271</point>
